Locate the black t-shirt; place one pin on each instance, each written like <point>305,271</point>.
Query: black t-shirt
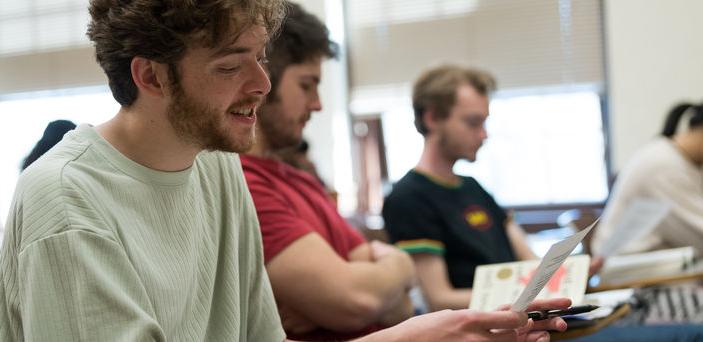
<point>462,223</point>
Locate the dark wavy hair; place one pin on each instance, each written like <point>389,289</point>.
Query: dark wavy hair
<point>53,133</point>
<point>302,38</point>
<point>675,115</point>
<point>162,30</point>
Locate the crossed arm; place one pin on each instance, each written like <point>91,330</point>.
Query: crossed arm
<point>337,294</point>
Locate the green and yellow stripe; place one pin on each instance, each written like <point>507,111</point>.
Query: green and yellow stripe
<point>421,246</point>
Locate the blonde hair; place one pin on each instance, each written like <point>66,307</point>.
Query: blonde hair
<point>435,90</point>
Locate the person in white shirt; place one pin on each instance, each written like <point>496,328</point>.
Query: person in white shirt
<point>667,169</point>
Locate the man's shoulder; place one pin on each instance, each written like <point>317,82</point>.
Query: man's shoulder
<point>265,174</point>
<point>48,196</point>
<point>411,182</point>
<point>48,173</point>
<point>258,166</point>
<point>470,183</point>
<point>411,191</point>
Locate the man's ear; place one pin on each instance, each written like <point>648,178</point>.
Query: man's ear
<point>150,77</point>
<point>429,118</point>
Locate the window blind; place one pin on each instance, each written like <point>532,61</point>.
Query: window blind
<point>36,25</point>
<point>43,46</point>
<point>524,43</point>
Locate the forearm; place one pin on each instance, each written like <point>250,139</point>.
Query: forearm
<point>346,295</point>
<point>518,242</point>
<point>391,334</point>
<point>366,293</point>
<point>399,311</point>
<point>388,279</point>
<point>454,299</point>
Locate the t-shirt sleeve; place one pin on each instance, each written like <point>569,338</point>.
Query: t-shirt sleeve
<point>80,286</point>
<point>263,321</point>
<point>352,236</point>
<point>412,225</point>
<point>280,225</point>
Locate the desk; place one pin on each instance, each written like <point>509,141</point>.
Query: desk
<point>600,324</point>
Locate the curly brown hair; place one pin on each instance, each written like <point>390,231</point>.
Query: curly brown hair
<point>302,38</point>
<point>162,30</point>
<point>435,90</point>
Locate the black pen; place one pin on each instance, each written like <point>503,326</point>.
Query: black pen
<point>574,310</point>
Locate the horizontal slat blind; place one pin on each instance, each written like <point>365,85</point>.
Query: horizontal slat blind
<point>43,46</point>
<point>525,43</point>
<point>37,25</point>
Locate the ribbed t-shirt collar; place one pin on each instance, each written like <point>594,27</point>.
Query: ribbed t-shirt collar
<point>437,181</point>
<point>128,166</point>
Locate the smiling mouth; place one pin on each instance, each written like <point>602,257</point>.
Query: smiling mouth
<point>244,112</point>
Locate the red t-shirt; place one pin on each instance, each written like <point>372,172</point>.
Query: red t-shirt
<point>290,203</point>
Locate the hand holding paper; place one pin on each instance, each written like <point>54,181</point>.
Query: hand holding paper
<point>550,263</point>
<point>497,284</point>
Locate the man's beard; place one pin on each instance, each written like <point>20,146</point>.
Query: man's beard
<point>203,126</point>
<point>451,150</point>
<point>278,133</point>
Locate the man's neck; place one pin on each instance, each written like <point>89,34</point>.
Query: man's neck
<point>261,147</point>
<point>148,138</point>
<point>436,165</point>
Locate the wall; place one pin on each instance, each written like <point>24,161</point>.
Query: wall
<point>328,130</point>
<point>654,59</point>
<point>71,67</point>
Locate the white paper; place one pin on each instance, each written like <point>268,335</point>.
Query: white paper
<point>638,220</point>
<point>610,298</point>
<point>620,269</point>
<point>550,263</point>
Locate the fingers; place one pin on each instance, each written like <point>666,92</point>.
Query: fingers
<point>556,324</point>
<point>526,328</point>
<point>549,304</point>
<point>504,307</point>
<point>380,249</point>
<point>595,266</point>
<point>508,335</point>
<point>499,319</point>
<point>537,336</point>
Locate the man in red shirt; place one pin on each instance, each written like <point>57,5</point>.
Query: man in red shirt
<point>329,283</point>
<point>354,287</point>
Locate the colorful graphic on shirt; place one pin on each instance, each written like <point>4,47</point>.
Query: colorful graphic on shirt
<point>477,217</point>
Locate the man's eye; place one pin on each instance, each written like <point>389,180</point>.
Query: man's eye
<point>474,123</point>
<point>228,70</point>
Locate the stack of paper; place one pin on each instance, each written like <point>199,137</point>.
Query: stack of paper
<point>607,302</point>
<point>641,266</point>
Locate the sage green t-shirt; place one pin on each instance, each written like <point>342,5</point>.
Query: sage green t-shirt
<point>100,248</point>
